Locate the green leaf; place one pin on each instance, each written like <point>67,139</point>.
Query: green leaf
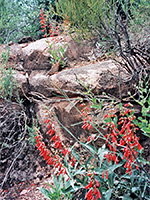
<point>52,187</point>
<point>101,153</point>
<point>108,194</point>
<point>68,190</point>
<point>79,172</point>
<point>145,186</point>
<point>134,189</point>
<point>96,106</point>
<point>94,100</point>
<point>56,183</point>
<point>46,193</point>
<point>146,130</point>
<point>113,167</point>
<point>66,161</point>
<point>75,154</point>
<point>126,197</point>
<point>90,148</point>
<point>67,184</point>
<point>88,161</point>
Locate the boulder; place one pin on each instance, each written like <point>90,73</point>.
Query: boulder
<point>36,80</point>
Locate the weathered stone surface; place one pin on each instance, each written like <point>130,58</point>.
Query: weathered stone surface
<point>35,55</point>
<point>45,88</point>
<point>66,114</point>
<point>75,80</point>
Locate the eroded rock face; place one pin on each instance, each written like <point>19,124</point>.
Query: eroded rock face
<point>32,67</point>
<point>32,64</point>
<point>77,79</point>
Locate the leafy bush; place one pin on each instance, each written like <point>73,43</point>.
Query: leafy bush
<point>112,171</point>
<point>20,18</point>
<point>109,22</point>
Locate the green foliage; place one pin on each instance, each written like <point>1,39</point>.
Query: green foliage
<point>141,13</point>
<point>19,18</point>
<point>84,16</point>
<point>31,131</point>
<point>108,168</point>
<point>7,81</point>
<point>143,121</point>
<point>57,191</point>
<point>92,17</point>
<point>58,54</point>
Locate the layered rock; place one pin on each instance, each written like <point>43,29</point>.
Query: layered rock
<point>32,62</point>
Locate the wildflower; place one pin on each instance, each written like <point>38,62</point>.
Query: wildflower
<point>89,185</point>
<point>73,163</point>
<point>103,174</point>
<point>68,179</point>
<point>98,196</point>
<point>97,183</point>
<point>45,35</point>
<point>61,171</point>
<point>89,194</point>
<point>126,105</point>
<point>106,175</point>
<point>126,112</point>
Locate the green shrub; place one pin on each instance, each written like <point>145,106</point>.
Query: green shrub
<point>112,171</point>
<point>7,81</point>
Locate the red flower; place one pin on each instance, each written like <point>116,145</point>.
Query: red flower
<point>103,174</point>
<point>98,196</point>
<point>89,185</point>
<point>106,175</point>
<point>139,147</point>
<point>97,183</point>
<point>89,194</point>
<point>126,105</point>
<point>126,112</point>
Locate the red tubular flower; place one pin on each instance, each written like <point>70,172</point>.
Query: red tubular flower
<point>89,185</point>
<point>73,163</point>
<point>106,116</point>
<point>106,175</point>
<point>50,161</point>
<point>139,147</point>
<point>95,190</point>
<point>61,171</point>
<point>47,121</point>
<point>53,138</point>
<point>72,159</point>
<point>107,157</point>
<point>98,196</point>
<point>45,35</point>
<point>85,126</point>
<point>89,194</point>
<point>65,151</point>
<point>103,174</point>
<point>89,138</point>
<point>126,105</point>
<point>68,179</point>
<point>97,183</point>
<point>57,164</point>
<point>126,112</point>
<point>65,171</point>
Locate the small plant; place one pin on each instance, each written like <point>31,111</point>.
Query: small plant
<point>7,81</point>
<point>56,191</point>
<point>143,122</point>
<point>58,55</point>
